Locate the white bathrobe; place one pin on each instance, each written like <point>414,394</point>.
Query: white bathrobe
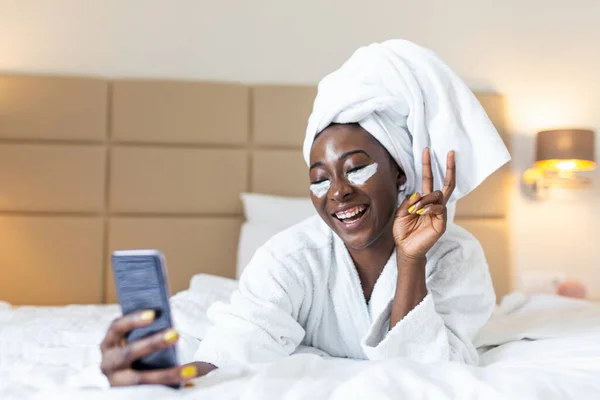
<point>301,292</point>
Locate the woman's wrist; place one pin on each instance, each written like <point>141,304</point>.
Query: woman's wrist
<point>405,259</point>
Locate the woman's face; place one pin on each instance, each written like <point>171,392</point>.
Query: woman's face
<point>354,184</point>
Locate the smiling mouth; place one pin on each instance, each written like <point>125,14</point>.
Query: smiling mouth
<point>351,215</point>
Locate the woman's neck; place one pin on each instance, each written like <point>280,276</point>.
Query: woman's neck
<point>371,260</point>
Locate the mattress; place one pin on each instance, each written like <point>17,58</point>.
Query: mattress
<point>542,347</point>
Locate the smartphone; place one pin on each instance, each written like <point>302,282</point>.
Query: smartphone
<point>141,281</point>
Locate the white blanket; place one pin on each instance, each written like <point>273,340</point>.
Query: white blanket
<point>48,353</point>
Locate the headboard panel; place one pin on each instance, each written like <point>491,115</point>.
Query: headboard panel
<point>53,108</point>
<point>179,112</point>
<point>280,113</point>
<point>89,166</point>
<point>176,180</point>
<point>191,243</point>
<point>289,178</point>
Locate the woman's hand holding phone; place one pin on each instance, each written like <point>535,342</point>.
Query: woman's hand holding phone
<point>118,355</point>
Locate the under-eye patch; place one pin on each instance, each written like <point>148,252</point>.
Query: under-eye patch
<point>320,189</point>
<point>360,177</point>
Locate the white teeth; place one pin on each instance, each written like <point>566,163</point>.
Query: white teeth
<point>345,215</point>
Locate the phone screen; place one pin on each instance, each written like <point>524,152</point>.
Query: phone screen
<point>141,281</point>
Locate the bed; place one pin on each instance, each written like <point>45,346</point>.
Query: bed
<point>205,172</point>
<point>542,347</point>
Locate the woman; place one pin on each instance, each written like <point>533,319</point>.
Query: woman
<point>379,272</point>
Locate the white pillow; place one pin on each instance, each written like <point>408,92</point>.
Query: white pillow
<point>267,215</point>
<point>251,238</point>
<point>276,211</point>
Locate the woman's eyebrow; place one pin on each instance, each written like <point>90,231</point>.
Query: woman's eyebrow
<point>349,153</point>
<point>346,154</point>
<point>317,164</point>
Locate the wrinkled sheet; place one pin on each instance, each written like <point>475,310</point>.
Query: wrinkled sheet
<point>544,347</point>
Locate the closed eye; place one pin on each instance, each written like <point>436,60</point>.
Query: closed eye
<point>319,181</point>
<point>355,169</point>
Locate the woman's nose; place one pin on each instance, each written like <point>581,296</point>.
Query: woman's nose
<point>340,190</point>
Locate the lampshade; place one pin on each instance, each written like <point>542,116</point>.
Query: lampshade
<point>566,150</point>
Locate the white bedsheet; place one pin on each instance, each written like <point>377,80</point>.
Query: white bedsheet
<point>52,352</point>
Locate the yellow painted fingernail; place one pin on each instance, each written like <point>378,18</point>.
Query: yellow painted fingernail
<point>411,209</point>
<point>414,196</point>
<point>171,335</point>
<point>420,211</point>
<point>188,372</point>
<point>147,315</point>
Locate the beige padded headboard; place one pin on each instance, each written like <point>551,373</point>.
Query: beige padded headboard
<point>88,166</point>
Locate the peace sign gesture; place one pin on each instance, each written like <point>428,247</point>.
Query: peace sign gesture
<point>421,218</point>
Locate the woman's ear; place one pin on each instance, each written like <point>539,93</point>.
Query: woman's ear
<point>400,178</point>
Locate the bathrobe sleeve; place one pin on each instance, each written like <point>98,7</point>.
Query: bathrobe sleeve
<point>260,322</point>
<point>460,299</point>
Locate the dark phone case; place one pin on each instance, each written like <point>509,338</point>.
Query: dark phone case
<point>142,285</point>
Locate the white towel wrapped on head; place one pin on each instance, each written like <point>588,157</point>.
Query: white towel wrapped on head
<point>408,99</point>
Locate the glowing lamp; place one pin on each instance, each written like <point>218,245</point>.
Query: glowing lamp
<point>567,150</point>
<point>560,155</point>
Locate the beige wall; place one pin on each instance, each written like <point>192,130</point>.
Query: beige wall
<point>543,55</point>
